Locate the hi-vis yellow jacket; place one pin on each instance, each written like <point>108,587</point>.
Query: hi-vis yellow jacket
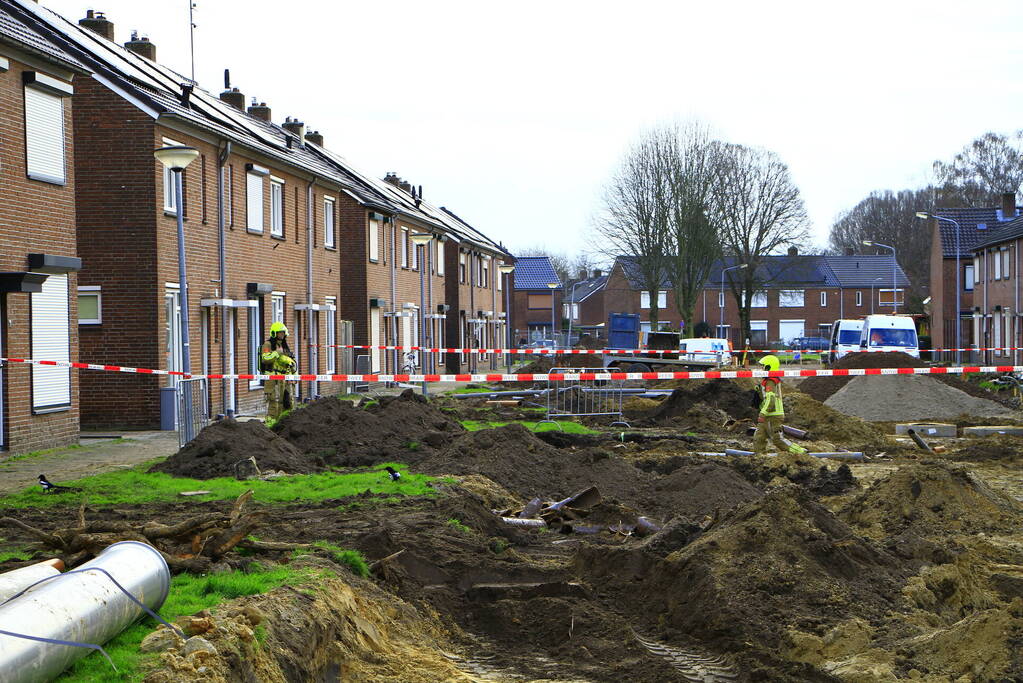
<point>771,406</point>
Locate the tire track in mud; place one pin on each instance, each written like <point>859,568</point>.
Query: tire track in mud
<point>694,666</point>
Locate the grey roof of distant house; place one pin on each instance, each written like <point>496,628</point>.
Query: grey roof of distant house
<point>862,270</point>
<point>1003,233</point>
<point>578,291</point>
<point>15,31</point>
<point>977,226</point>
<point>535,272</point>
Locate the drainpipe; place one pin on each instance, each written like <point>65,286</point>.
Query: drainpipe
<point>1015,303</point>
<point>984,312</point>
<point>226,355</point>
<point>311,349</point>
<point>394,292</point>
<point>494,274</point>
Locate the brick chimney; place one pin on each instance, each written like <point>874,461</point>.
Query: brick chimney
<point>295,127</point>
<point>259,111</point>
<point>97,23</point>
<point>597,272</point>
<point>141,46</point>
<point>314,137</point>
<point>793,251</point>
<point>405,185</point>
<point>392,178</point>
<point>234,97</point>
<point>849,251</point>
<point>1008,206</point>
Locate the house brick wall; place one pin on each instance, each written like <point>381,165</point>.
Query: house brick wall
<point>35,217</point>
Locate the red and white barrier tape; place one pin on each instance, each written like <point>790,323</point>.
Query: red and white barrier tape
<point>541,377</point>
<point>612,352</point>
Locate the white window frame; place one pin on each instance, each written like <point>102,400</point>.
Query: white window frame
<point>254,202</point>
<point>374,240</point>
<point>899,297</point>
<point>404,247</point>
<point>462,267</point>
<point>330,339</point>
<point>96,291</point>
<point>859,298</point>
<point>227,176</point>
<point>45,147</point>
<point>255,334</point>
<point>169,196</point>
<point>49,324</point>
<point>440,258</point>
<point>1005,262</point>
<point>968,279</point>
<point>758,300</point>
<point>998,266</point>
<point>276,207</point>
<point>485,271</point>
<point>662,299</point>
<point>329,233</point>
<point>978,272</point>
<point>824,299</point>
<point>787,297</point>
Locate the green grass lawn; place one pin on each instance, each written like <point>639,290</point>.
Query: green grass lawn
<point>566,426</point>
<point>473,390</point>
<point>806,357</point>
<point>135,485</point>
<point>188,594</point>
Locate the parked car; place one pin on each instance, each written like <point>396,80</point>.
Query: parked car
<point>845,339</point>
<point>889,333</point>
<point>809,344</point>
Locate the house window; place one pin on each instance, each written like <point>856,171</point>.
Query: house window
<point>330,316</point>
<point>374,240</point>
<point>1005,262</point>
<point>44,134</point>
<point>570,311</point>
<point>51,385</point>
<point>859,298</point>
<point>977,270</point>
<point>998,266</point>
<point>202,193</point>
<point>790,298</point>
<point>485,269</point>
<point>414,250</point>
<point>440,257</point>
<point>227,173</point>
<point>277,307</point>
<point>824,298</point>
<point>404,247</point>
<point>540,301</point>
<point>328,222</point>
<point>276,207</point>
<point>254,202</point>
<point>461,267</point>
<point>759,299</point>
<point>662,299</point>
<point>968,278</point>
<point>255,325</point>
<point>90,305</point>
<point>885,297</point>
<point>169,195</point>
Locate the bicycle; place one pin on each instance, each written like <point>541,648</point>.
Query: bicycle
<point>1015,382</point>
<point>410,366</point>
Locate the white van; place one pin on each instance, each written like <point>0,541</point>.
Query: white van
<point>845,338</point>
<point>889,333</point>
<point>706,349</point>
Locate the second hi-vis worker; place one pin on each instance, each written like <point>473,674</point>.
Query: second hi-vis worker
<point>276,358</point>
<point>772,413</point>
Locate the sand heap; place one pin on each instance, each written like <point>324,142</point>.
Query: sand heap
<point>397,428</point>
<point>222,445</point>
<point>827,424</point>
<point>895,398</point>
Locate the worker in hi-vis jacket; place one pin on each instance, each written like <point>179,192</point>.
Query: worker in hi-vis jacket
<point>772,413</point>
<point>276,358</point>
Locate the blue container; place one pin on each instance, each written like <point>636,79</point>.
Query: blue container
<point>168,408</point>
<point>623,331</point>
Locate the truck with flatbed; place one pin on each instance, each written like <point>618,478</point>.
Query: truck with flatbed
<point>660,351</point>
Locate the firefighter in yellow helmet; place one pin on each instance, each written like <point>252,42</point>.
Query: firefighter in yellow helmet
<point>772,413</point>
<point>276,358</point>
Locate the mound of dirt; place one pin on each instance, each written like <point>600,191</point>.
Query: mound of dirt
<point>826,423</point>
<point>821,388</point>
<point>777,560</point>
<point>699,490</point>
<point>217,448</point>
<point>932,498</point>
<point>706,406</point>
<point>396,428</point>
<point>998,448</point>
<point>804,470</point>
<point>898,398</point>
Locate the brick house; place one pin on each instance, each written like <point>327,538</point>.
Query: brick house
<point>975,226</point>
<point>584,303</point>
<point>802,295</point>
<point>534,302</point>
<point>994,318</point>
<point>39,406</point>
<point>277,228</point>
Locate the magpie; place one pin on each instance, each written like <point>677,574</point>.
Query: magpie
<point>394,474</point>
<point>53,488</point>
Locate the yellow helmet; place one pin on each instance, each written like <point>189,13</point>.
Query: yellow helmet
<point>771,363</point>
<point>278,327</point>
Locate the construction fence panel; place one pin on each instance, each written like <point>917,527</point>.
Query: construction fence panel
<point>193,408</point>
<point>346,361</point>
<point>575,398</point>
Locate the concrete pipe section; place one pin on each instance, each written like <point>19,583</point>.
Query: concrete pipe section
<point>83,606</point>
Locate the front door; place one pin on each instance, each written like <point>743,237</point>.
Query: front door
<point>3,349</point>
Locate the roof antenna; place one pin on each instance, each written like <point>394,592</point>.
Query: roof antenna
<point>191,34</point>
<point>227,79</point>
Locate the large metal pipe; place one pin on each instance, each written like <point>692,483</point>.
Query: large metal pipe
<point>17,580</point>
<point>918,440</point>
<point>81,606</point>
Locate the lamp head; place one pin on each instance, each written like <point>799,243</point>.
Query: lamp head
<point>176,157</point>
<point>421,238</point>
<point>922,214</point>
<point>553,285</point>
<point>506,268</point>
<point>868,243</point>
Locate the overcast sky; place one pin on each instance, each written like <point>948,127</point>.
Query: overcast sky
<point>514,115</point>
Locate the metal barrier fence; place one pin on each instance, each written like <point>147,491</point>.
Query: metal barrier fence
<point>572,398</point>
<point>193,408</point>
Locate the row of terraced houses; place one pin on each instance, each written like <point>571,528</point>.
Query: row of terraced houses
<point>277,228</point>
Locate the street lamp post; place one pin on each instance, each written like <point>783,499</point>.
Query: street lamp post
<point>959,288</point>
<point>552,286</point>
<point>721,295</point>
<point>895,298</point>
<point>571,311</point>
<point>506,269</point>
<point>177,158</point>
<point>422,239</point>
<point>876,279</point>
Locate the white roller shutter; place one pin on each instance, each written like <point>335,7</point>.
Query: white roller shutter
<point>254,202</point>
<point>51,386</point>
<point>44,135</point>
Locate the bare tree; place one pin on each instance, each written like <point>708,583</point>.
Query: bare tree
<point>982,171</point>
<point>890,218</point>
<point>759,210</point>
<point>633,220</point>
<point>690,159</point>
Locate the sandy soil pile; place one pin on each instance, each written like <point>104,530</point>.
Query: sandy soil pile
<point>808,472</point>
<point>821,388</point>
<point>720,394</point>
<point>998,448</point>
<point>892,398</point>
<point>827,424</point>
<point>217,448</point>
<point>400,427</point>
